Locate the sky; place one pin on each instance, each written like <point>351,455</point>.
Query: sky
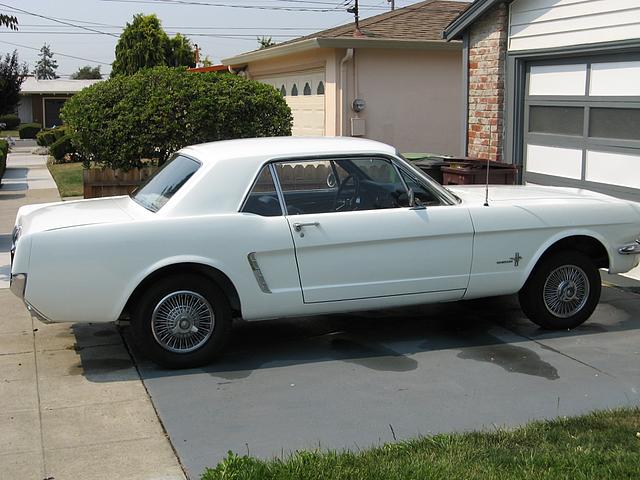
<point>221,28</point>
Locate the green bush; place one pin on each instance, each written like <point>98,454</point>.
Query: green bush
<point>4,149</point>
<point>61,147</point>
<point>11,121</point>
<point>29,130</point>
<point>125,120</point>
<point>46,137</point>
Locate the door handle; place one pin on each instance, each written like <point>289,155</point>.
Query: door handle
<point>297,226</point>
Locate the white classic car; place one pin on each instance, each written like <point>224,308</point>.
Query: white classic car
<point>273,227</point>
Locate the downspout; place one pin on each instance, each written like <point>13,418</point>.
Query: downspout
<point>343,88</point>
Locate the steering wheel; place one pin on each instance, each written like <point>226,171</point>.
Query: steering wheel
<point>349,200</point>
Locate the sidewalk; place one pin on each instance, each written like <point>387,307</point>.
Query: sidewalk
<point>72,405</point>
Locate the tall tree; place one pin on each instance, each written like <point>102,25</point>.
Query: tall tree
<point>265,42</point>
<point>180,52</point>
<point>87,73</point>
<point>9,21</point>
<point>46,66</point>
<point>12,74</point>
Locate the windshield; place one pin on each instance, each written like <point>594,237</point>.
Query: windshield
<point>160,187</point>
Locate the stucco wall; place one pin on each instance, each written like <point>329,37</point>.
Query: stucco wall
<point>414,98</point>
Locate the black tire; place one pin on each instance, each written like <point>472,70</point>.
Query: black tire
<point>215,307</point>
<point>563,311</point>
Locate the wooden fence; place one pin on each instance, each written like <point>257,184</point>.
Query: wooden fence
<point>107,182</point>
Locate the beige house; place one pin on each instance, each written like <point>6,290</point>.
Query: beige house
<point>394,80</point>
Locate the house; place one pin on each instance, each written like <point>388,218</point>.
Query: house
<point>554,87</point>
<point>41,100</point>
<point>394,79</point>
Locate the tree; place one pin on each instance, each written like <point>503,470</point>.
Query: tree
<point>144,44</point>
<point>265,42</point>
<point>12,74</point>
<point>9,21</point>
<point>87,73</point>
<point>180,52</point>
<point>46,66</point>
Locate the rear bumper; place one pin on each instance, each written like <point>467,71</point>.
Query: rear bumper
<point>18,284</point>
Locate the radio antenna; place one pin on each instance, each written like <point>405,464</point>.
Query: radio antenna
<point>486,186</point>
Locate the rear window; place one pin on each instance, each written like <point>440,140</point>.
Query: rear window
<point>163,185</point>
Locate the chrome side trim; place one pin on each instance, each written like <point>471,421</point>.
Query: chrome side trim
<point>631,249</point>
<point>262,283</point>
<point>17,284</point>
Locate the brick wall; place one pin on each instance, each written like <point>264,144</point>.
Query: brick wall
<point>487,47</point>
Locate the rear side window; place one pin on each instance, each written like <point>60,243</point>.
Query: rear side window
<point>263,199</point>
<point>163,185</point>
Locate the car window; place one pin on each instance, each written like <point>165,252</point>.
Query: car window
<point>425,196</point>
<point>263,199</point>
<point>163,185</point>
<point>341,185</point>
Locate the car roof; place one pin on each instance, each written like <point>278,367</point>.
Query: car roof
<point>261,149</point>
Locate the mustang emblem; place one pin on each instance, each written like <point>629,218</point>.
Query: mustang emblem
<point>515,260</point>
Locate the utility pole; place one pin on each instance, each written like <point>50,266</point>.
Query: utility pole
<point>393,4</point>
<point>356,12</point>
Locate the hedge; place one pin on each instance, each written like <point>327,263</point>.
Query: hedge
<point>29,130</point>
<point>123,121</point>
<point>46,137</point>
<point>10,120</point>
<point>4,149</point>
<point>61,147</point>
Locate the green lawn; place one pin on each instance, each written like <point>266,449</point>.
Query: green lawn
<point>602,445</point>
<point>68,177</point>
<point>9,133</point>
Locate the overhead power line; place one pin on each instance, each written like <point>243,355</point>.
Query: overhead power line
<point>53,19</point>
<point>227,5</point>
<point>56,53</point>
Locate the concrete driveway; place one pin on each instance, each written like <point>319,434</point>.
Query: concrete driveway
<point>353,381</point>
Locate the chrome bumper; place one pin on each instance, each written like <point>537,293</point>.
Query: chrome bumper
<point>631,249</point>
<point>18,283</point>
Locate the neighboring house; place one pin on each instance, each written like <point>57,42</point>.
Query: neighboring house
<point>41,100</point>
<point>554,86</point>
<point>409,78</point>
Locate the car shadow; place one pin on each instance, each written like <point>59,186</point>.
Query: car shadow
<point>487,330</point>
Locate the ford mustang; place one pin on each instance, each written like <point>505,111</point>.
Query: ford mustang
<point>274,227</point>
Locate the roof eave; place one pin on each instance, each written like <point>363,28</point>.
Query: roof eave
<point>339,42</point>
<point>456,28</point>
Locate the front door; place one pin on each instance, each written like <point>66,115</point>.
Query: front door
<point>357,237</point>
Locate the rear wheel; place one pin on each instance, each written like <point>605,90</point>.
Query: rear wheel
<point>182,321</point>
<point>562,291</point>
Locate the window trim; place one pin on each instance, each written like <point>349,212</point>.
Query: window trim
<point>253,184</point>
<point>397,163</point>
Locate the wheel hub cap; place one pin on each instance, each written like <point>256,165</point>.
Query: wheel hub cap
<point>182,321</point>
<point>566,291</point>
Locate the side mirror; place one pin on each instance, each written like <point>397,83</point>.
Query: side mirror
<point>415,202</point>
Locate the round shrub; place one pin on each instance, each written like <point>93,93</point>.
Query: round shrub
<point>29,130</point>
<point>128,120</point>
<point>61,147</point>
<point>44,138</point>
<point>11,121</point>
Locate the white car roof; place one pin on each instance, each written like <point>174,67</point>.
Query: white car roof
<point>259,149</point>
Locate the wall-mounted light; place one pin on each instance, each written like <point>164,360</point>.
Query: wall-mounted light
<point>358,105</point>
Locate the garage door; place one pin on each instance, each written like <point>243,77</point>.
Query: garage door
<point>304,93</point>
<point>582,124</point>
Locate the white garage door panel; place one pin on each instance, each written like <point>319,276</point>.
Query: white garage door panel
<point>615,79</point>
<point>613,168</point>
<point>308,115</point>
<point>561,162</point>
<point>558,79</point>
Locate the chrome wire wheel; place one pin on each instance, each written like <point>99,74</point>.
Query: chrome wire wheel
<point>566,291</point>
<point>182,321</point>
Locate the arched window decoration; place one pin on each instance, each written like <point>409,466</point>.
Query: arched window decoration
<point>283,91</point>
<point>320,89</point>
<point>294,90</point>
<point>307,89</point>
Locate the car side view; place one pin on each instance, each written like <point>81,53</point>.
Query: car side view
<point>274,227</point>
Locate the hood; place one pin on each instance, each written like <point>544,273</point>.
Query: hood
<point>527,194</point>
<point>50,216</point>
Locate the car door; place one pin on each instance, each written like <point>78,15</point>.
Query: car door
<point>365,240</point>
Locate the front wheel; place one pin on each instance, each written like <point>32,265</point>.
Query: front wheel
<point>182,321</point>
<point>562,291</point>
